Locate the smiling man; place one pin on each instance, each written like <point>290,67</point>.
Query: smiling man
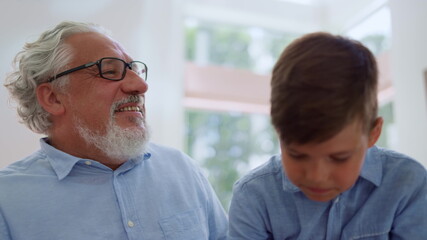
<point>330,182</point>
<point>96,175</point>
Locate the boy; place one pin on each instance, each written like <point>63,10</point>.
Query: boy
<point>330,182</point>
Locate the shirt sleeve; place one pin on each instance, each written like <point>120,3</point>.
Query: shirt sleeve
<point>217,218</point>
<point>4,231</point>
<point>411,220</point>
<point>246,217</point>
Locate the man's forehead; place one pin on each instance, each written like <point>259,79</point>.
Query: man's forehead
<point>92,46</point>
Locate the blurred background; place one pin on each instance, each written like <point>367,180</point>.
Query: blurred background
<point>210,63</point>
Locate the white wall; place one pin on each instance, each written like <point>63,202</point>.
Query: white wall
<point>148,29</point>
<point>409,61</point>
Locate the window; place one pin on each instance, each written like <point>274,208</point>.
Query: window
<point>227,99</point>
<point>374,32</point>
<point>227,79</point>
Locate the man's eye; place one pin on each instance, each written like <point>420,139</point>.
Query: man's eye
<point>109,72</point>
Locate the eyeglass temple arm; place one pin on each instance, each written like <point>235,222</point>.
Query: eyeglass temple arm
<point>72,70</point>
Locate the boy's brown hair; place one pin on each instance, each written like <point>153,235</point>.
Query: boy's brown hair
<point>321,83</point>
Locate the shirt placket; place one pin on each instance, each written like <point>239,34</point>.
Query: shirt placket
<point>126,200</point>
<point>334,220</point>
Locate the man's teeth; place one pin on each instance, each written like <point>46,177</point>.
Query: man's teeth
<point>127,109</point>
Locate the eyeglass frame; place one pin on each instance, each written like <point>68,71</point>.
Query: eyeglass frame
<point>98,64</point>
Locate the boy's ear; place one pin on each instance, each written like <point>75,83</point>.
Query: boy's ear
<point>48,99</point>
<point>375,132</point>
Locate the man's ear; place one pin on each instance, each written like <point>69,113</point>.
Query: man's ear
<point>48,99</point>
<point>375,132</point>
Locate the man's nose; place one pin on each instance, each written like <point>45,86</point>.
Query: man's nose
<point>134,84</point>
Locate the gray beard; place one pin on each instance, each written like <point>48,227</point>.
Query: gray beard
<point>117,143</point>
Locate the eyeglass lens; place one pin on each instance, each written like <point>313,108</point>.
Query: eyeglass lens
<point>140,69</point>
<point>115,69</point>
<point>112,68</point>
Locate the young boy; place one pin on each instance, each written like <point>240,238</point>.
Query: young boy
<point>330,182</point>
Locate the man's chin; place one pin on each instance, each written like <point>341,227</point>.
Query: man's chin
<point>120,141</point>
<point>125,120</point>
<point>129,143</point>
<point>136,130</point>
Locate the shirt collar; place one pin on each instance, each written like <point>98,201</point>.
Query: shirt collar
<point>62,163</point>
<point>371,170</point>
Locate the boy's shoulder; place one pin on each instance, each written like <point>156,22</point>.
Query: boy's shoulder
<point>269,173</point>
<point>398,168</point>
<point>393,161</point>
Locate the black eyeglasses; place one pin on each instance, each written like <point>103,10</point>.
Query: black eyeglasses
<point>110,68</point>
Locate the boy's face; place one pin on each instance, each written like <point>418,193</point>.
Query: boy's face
<point>324,170</point>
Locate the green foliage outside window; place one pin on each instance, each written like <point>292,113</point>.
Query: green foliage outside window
<point>377,43</point>
<point>230,45</point>
<point>228,145</point>
<point>386,112</point>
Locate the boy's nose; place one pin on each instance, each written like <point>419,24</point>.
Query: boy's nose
<point>318,172</point>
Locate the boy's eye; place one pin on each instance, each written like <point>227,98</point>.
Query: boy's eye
<point>297,156</point>
<point>339,159</point>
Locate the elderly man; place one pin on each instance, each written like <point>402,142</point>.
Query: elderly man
<point>96,176</point>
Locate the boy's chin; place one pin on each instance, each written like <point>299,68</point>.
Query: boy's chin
<point>321,197</point>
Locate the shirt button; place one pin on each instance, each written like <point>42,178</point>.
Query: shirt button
<point>88,163</point>
<point>131,224</point>
<point>337,200</point>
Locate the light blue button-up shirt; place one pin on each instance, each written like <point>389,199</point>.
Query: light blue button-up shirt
<point>388,201</point>
<point>161,195</point>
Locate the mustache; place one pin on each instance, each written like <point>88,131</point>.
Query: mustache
<point>130,99</point>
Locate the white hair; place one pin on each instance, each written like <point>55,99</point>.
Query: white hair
<point>36,64</point>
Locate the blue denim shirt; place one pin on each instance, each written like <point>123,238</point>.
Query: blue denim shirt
<point>388,201</point>
<point>161,195</point>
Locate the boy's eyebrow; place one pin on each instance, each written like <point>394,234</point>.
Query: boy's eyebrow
<point>345,152</point>
<point>290,149</point>
<point>340,153</point>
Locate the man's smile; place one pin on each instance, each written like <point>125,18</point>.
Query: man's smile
<point>129,109</point>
